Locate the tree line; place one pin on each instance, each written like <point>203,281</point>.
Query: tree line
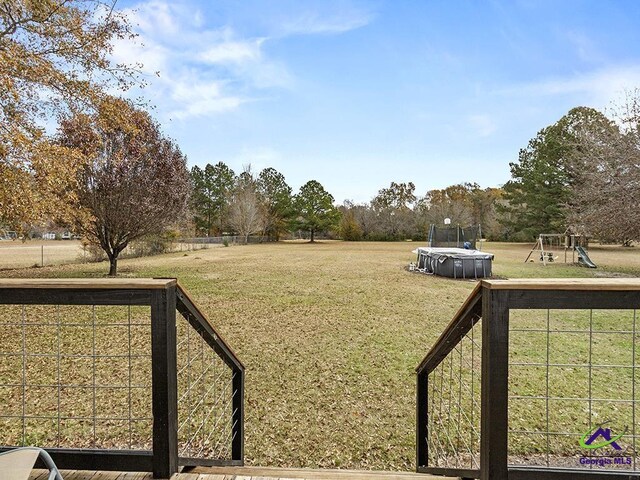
<point>396,213</point>
<point>580,174</point>
<point>248,204</point>
<point>263,204</point>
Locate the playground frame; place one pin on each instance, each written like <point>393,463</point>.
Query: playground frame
<point>566,241</point>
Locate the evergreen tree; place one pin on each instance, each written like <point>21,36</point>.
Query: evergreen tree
<point>538,197</point>
<point>314,209</point>
<point>212,187</point>
<point>275,195</point>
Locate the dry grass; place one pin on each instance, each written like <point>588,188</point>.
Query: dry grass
<point>612,260</point>
<point>17,254</point>
<point>37,253</point>
<point>330,334</point>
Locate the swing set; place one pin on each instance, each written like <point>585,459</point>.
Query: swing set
<point>548,245</point>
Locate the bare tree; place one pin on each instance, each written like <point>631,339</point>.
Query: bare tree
<point>134,182</point>
<point>393,209</point>
<point>605,167</point>
<point>247,214</point>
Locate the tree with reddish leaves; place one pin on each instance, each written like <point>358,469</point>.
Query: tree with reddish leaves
<point>134,182</point>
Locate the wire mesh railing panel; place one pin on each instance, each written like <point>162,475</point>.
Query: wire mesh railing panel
<point>75,376</point>
<point>453,425</point>
<point>572,389</point>
<point>205,398</point>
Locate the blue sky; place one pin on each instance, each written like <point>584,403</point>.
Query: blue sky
<point>356,94</point>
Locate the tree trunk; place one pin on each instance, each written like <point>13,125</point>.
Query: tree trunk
<point>312,232</point>
<point>113,265</point>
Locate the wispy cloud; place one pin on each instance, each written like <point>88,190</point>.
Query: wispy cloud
<point>316,23</point>
<point>202,98</point>
<point>206,70</point>
<point>233,51</point>
<point>600,87</point>
<point>156,15</point>
<point>202,71</point>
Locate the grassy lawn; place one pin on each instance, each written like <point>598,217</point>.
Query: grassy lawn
<point>330,334</point>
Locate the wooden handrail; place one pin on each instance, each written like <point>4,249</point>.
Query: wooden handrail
<point>577,284</point>
<point>468,314</point>
<point>190,310</point>
<point>88,283</point>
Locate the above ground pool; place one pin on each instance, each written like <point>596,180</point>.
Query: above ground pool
<point>454,262</point>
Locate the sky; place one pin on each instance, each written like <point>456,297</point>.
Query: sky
<point>357,94</point>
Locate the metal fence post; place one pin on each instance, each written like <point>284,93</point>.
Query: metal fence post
<point>495,385</point>
<point>164,382</point>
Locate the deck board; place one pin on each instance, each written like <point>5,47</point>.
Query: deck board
<point>272,473</point>
<point>245,473</point>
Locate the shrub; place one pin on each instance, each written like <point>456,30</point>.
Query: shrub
<point>92,252</point>
<point>151,245</point>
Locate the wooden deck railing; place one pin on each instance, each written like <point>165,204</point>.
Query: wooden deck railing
<point>117,374</point>
<point>552,366</point>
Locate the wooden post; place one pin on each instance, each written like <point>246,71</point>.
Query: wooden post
<point>495,385</point>
<point>164,382</point>
<point>237,419</point>
<point>422,402</point>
